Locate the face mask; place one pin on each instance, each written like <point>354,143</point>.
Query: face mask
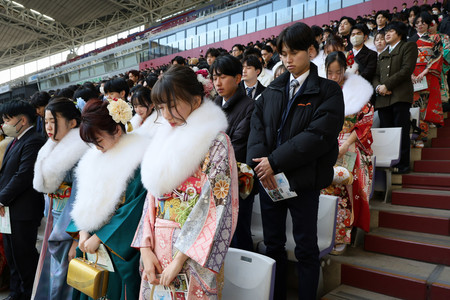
<point>10,130</point>
<point>435,12</point>
<point>102,90</point>
<point>357,40</point>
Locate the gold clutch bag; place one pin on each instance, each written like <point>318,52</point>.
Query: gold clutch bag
<point>87,277</point>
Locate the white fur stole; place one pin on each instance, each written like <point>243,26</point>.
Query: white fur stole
<point>175,153</point>
<point>102,180</point>
<point>357,92</point>
<point>55,159</point>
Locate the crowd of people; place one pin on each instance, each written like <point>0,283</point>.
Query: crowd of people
<point>159,168</point>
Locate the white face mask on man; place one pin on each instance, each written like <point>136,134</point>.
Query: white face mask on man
<point>357,40</point>
<point>10,130</point>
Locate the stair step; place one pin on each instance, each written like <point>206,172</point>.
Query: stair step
<point>351,293</point>
<point>426,179</point>
<point>421,198</point>
<point>436,166</point>
<point>413,245</point>
<point>446,122</point>
<point>436,153</point>
<point>393,276</point>
<point>417,219</point>
<point>440,142</point>
<point>443,132</point>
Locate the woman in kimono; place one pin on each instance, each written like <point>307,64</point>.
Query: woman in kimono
<point>429,65</point>
<point>145,118</point>
<point>356,138</point>
<point>53,175</point>
<point>110,195</point>
<point>190,173</point>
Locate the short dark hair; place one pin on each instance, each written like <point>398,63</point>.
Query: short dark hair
<point>253,51</point>
<point>117,85</point>
<point>142,97</point>
<point>252,61</point>
<point>151,80</point>
<point>415,10</point>
<point>66,108</point>
<point>361,27</point>
<point>180,60</point>
<point>239,46</point>
<point>382,12</point>
<point>298,36</point>
<point>15,108</point>
<point>267,48</point>
<point>226,65</point>
<point>400,28</point>
<point>85,93</point>
<point>350,20</point>
<point>213,52</point>
<point>425,16</point>
<point>95,118</point>
<point>66,92</point>
<point>317,30</point>
<point>40,99</point>
<point>134,72</point>
<point>178,83</point>
<point>336,56</point>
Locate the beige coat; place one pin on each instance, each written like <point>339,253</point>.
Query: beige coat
<point>3,144</point>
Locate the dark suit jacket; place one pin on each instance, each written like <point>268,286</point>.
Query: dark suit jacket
<point>259,88</point>
<point>16,178</point>
<point>367,63</point>
<point>394,70</point>
<point>239,109</point>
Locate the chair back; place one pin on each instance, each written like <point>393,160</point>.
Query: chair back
<point>386,146</point>
<point>248,275</point>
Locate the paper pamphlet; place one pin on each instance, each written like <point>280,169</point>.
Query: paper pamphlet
<point>104,260</point>
<point>347,161</point>
<point>176,291</point>
<point>282,191</point>
<point>5,224</point>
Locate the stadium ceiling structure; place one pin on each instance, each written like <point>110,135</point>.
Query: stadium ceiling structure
<point>31,29</point>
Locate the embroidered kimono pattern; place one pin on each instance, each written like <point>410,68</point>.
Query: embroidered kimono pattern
<point>353,205</point>
<point>429,100</point>
<point>198,218</point>
<point>445,66</point>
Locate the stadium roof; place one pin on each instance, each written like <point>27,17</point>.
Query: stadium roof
<point>30,29</point>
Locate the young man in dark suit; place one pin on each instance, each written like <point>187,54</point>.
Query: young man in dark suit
<point>394,88</point>
<point>26,206</point>
<point>364,57</point>
<point>251,68</point>
<point>294,130</point>
<point>226,72</point>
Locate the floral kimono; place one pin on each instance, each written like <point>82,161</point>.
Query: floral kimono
<point>429,100</point>
<point>53,174</point>
<point>109,202</point>
<point>353,207</point>
<point>192,205</point>
<point>445,66</point>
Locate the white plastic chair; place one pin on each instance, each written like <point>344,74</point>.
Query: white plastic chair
<point>248,275</point>
<point>386,147</point>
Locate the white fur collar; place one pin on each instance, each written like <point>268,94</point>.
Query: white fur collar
<point>357,92</point>
<point>55,159</point>
<point>175,153</point>
<point>102,180</point>
<point>150,125</point>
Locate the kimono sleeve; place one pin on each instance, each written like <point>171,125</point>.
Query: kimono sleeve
<point>362,129</point>
<point>144,236</point>
<point>207,233</point>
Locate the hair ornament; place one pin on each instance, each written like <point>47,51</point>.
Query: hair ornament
<point>208,87</point>
<point>80,103</point>
<point>121,112</point>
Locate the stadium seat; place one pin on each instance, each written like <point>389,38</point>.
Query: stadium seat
<point>386,148</point>
<point>248,275</point>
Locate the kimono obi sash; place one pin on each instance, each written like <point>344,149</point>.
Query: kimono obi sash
<point>61,196</point>
<point>177,205</point>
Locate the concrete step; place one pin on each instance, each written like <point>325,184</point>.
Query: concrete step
<point>351,293</point>
<point>436,153</point>
<point>408,244</point>
<point>426,220</point>
<point>440,142</point>
<point>421,198</point>
<point>393,276</point>
<point>435,180</point>
<point>434,166</point>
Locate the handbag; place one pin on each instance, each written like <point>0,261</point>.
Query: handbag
<point>87,277</point>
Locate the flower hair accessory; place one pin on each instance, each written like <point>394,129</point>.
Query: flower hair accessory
<point>208,87</point>
<point>80,103</point>
<point>121,112</point>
